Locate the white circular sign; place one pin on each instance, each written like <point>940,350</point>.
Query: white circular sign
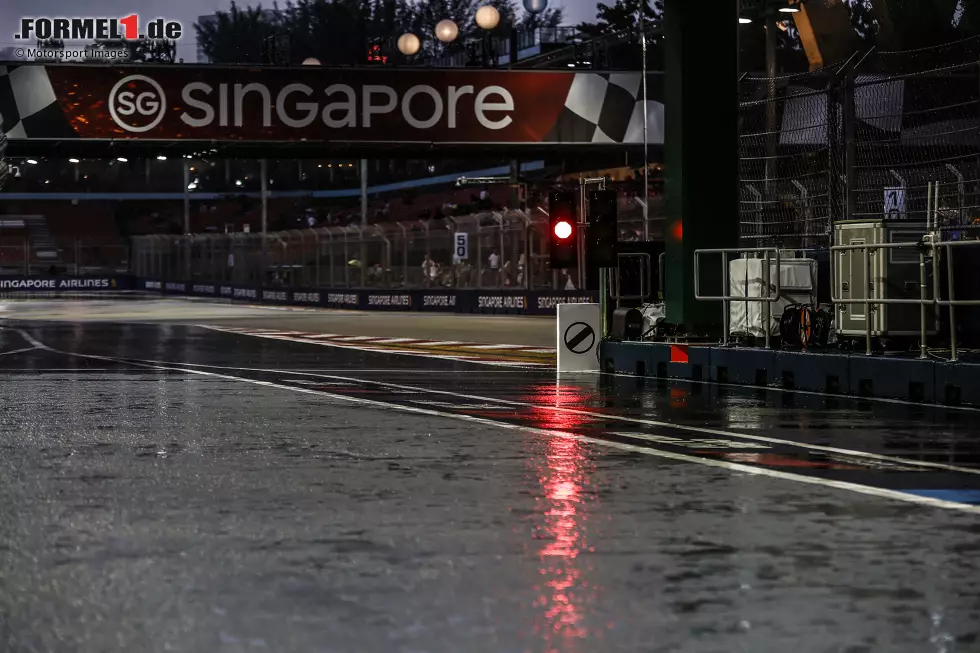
<point>125,103</point>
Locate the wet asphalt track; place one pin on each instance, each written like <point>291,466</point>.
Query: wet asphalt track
<point>170,488</point>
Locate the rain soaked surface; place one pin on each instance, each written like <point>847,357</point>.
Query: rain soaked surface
<point>165,487</point>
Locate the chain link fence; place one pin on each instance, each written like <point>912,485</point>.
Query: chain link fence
<point>860,140</point>
<point>502,250</point>
<point>20,256</point>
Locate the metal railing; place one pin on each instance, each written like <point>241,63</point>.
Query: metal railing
<point>928,251</point>
<point>870,301</point>
<point>615,281</point>
<point>773,293</point>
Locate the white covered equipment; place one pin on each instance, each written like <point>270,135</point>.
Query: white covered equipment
<point>797,285</point>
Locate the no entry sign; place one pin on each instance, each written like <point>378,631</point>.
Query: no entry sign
<point>578,337</point>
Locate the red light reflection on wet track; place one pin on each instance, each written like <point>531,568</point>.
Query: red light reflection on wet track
<point>564,597</point>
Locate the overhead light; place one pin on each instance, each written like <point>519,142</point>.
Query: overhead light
<point>790,10</point>
<point>191,186</point>
<point>161,158</point>
<point>238,182</point>
<point>744,21</point>
<point>571,65</point>
<point>33,162</point>
<point>72,160</point>
<point>47,181</point>
<point>319,165</point>
<point>122,159</point>
<point>192,168</point>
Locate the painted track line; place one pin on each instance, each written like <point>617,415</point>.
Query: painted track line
<point>650,451</point>
<point>604,416</point>
<point>426,351</point>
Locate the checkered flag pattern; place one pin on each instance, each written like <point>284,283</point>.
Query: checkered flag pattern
<point>607,108</point>
<point>28,105</point>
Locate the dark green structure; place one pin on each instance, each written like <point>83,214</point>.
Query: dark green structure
<point>701,141</point>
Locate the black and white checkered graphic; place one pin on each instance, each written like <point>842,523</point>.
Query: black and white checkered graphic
<point>28,105</point>
<point>607,108</point>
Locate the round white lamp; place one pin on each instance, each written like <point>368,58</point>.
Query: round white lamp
<point>487,17</point>
<point>447,31</point>
<point>409,44</point>
<point>311,61</point>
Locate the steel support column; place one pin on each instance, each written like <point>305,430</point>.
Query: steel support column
<point>701,155</point>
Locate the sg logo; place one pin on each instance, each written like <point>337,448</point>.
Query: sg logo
<point>137,103</point>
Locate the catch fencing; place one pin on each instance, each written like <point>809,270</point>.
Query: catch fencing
<point>859,140</point>
<point>494,250</point>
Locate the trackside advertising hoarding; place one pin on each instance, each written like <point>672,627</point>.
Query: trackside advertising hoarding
<point>63,284</point>
<point>376,105</point>
<point>512,302</point>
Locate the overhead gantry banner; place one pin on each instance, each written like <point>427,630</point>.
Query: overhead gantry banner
<point>237,104</point>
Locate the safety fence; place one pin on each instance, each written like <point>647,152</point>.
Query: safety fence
<point>860,140</point>
<point>507,250</point>
<point>22,256</point>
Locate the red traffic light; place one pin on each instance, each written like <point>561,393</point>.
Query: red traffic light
<point>563,229</point>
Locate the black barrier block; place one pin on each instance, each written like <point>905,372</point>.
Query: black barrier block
<point>274,296</point>
<point>500,303</point>
<point>742,366</point>
<point>637,358</point>
<point>957,384</point>
<point>387,301</point>
<point>544,303</point>
<point>83,283</point>
<point>893,378</point>
<point>700,361</point>
<point>681,371</point>
<point>305,297</point>
<point>442,302</point>
<point>812,371</point>
<point>350,300</point>
<point>245,294</point>
<point>203,290</point>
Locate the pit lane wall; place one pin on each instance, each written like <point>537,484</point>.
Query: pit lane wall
<point>499,302</point>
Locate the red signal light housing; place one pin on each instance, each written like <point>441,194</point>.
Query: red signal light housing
<point>563,219</point>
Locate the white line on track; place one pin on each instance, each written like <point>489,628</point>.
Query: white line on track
<point>366,346</point>
<point>602,416</point>
<point>17,351</point>
<point>390,341</point>
<point>650,451</point>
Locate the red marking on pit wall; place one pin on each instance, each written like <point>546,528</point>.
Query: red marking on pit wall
<point>678,354</point>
